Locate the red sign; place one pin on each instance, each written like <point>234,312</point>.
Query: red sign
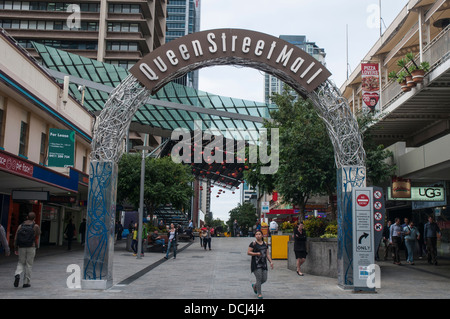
<point>362,200</point>
<point>15,165</point>
<point>370,85</point>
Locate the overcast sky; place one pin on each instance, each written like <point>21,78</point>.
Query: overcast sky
<point>321,21</point>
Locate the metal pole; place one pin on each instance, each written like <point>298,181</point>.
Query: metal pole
<point>141,204</point>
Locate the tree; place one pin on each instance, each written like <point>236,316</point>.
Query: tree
<point>165,183</point>
<point>307,165</point>
<point>246,217</point>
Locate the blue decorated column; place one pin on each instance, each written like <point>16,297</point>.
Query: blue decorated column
<point>101,209</point>
<point>348,177</point>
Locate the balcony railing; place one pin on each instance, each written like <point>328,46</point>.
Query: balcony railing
<point>435,53</point>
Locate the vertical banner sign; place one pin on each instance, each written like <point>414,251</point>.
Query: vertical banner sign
<point>61,148</point>
<point>370,86</point>
<point>379,213</point>
<point>363,243</point>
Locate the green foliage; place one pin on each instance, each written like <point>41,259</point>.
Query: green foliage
<point>331,228</point>
<point>165,182</point>
<point>424,66</point>
<point>392,75</point>
<point>246,217</point>
<point>378,165</point>
<point>314,226</point>
<point>306,162</point>
<point>401,77</point>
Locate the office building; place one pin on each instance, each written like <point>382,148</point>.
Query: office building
<point>273,84</point>
<point>183,17</point>
<point>119,33</point>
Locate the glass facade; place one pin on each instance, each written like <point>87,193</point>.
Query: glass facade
<point>148,114</point>
<point>183,17</point>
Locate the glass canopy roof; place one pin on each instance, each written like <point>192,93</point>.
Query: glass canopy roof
<point>153,115</point>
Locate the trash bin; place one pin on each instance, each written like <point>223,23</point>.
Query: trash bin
<point>280,246</point>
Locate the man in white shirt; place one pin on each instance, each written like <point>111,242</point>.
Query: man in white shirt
<point>273,227</point>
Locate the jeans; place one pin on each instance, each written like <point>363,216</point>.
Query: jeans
<point>396,243</point>
<point>431,249</point>
<point>410,244</point>
<point>26,260</point>
<point>207,241</point>
<point>172,243</point>
<point>134,245</point>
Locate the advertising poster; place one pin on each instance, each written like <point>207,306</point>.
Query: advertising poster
<point>370,86</point>
<point>61,148</point>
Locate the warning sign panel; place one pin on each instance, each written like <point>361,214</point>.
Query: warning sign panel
<point>362,200</point>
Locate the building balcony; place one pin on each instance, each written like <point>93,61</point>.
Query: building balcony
<point>422,114</point>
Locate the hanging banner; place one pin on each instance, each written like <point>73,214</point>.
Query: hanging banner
<point>370,78</point>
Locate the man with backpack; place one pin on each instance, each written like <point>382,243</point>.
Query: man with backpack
<point>25,248</point>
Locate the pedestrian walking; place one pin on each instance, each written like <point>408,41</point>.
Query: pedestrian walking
<point>411,235</point>
<point>134,239</point>
<point>82,231</point>
<point>25,247</point>
<point>258,249</point>
<point>395,238</point>
<point>4,241</point>
<point>207,238</point>
<point>134,242</point>
<point>300,247</point>
<point>70,233</point>
<point>119,231</point>
<point>172,242</point>
<point>387,244</point>
<point>421,241</point>
<point>431,233</point>
<point>273,227</point>
<point>235,228</point>
<point>202,235</point>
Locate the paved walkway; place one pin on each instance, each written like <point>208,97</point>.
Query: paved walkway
<point>222,273</point>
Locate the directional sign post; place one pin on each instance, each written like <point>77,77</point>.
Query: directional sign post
<point>363,237</point>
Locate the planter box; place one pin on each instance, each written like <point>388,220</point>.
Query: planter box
<point>321,259</point>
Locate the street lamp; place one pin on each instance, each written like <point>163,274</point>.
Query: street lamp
<point>142,148</point>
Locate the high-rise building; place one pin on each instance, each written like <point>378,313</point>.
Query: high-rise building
<point>183,17</point>
<point>273,84</point>
<point>115,32</point>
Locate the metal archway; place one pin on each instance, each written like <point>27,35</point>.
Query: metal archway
<point>303,73</point>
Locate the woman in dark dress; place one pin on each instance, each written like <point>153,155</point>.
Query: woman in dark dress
<point>300,246</point>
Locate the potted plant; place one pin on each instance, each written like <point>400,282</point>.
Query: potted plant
<point>408,76</point>
<point>401,79</point>
<point>417,71</point>
<point>392,75</point>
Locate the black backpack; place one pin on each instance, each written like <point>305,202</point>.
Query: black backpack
<point>26,235</point>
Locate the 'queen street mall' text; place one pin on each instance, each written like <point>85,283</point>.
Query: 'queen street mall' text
<point>235,46</point>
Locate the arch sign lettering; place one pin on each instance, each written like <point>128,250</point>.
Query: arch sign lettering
<point>229,46</point>
<point>307,76</point>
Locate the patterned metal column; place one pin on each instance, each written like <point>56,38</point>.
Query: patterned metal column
<point>99,246</point>
<point>350,156</point>
<point>110,130</point>
<point>348,177</point>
